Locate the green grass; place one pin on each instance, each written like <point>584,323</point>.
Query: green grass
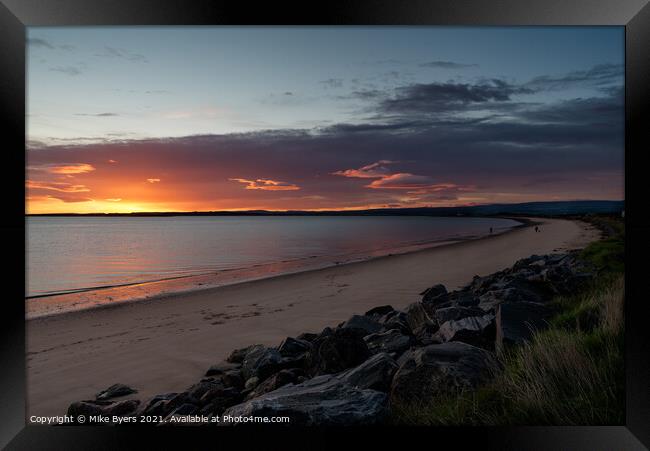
<point>607,255</point>
<point>568,374</point>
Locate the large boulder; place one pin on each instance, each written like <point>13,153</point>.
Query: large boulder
<point>196,391</point>
<point>443,315</point>
<point>279,379</point>
<point>156,404</point>
<point>294,347</point>
<point>417,317</point>
<point>475,330</point>
<point>462,298</point>
<point>222,368</point>
<point>336,350</point>
<point>512,290</point>
<point>435,292</point>
<point>215,401</point>
<point>307,336</point>
<point>238,355</point>
<point>261,362</point>
<point>516,322</point>
<point>114,391</point>
<point>422,326</point>
<point>440,368</point>
<point>380,311</point>
<point>322,401</point>
<point>365,325</point>
<point>375,373</point>
<point>392,341</point>
<point>395,320</point>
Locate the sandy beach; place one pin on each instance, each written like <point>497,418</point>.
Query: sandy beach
<point>164,345</point>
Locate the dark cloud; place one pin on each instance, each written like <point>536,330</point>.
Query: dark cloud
<point>68,70</point>
<point>40,42</point>
<point>447,65</point>
<point>365,94</point>
<point>97,114</point>
<point>44,43</point>
<point>598,75</point>
<point>332,83</point>
<point>595,111</point>
<point>111,52</point>
<point>373,127</point>
<point>429,97</point>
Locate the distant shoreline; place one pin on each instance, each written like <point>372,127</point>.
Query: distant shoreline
<point>576,207</point>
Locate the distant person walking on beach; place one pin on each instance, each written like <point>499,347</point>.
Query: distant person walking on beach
<point>490,230</point>
<point>536,229</point>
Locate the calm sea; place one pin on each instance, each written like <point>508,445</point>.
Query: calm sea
<point>67,253</point>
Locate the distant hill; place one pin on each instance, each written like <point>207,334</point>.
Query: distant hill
<point>578,207</point>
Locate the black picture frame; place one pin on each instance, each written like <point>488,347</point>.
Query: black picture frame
<point>634,15</point>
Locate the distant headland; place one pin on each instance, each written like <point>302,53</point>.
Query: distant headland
<point>559,208</point>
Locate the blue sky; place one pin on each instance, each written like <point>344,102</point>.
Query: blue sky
<point>176,81</point>
<point>209,118</point>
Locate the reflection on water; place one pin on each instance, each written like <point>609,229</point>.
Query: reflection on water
<point>69,253</point>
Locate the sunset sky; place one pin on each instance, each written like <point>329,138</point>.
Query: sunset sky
<point>225,118</point>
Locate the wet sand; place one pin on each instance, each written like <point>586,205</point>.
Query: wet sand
<point>166,344</point>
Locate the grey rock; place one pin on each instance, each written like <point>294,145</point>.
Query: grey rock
<point>221,368</point>
<point>336,351</point>
<point>440,368</point>
<point>417,317</point>
<point>433,297</point>
<point>261,362</point>
<point>197,390</point>
<point>217,400</point>
<point>475,330</point>
<point>115,391</point>
<point>279,379</point>
<point>463,298</point>
<point>307,337</point>
<point>154,406</point>
<point>324,401</point>
<point>422,326</point>
<point>238,355</point>
<point>443,315</point>
<point>380,311</point>
<point>391,341</point>
<point>251,383</point>
<point>396,320</point>
<point>375,373</point>
<point>293,347</point>
<point>516,322</point>
<point>364,324</point>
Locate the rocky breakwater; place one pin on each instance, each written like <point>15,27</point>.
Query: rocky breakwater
<point>349,374</point>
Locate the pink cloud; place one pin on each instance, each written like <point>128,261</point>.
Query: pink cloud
<point>153,180</point>
<point>370,171</point>
<point>65,168</point>
<point>56,186</point>
<point>267,185</point>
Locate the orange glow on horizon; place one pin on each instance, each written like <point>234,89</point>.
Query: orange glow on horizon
<point>136,182</point>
